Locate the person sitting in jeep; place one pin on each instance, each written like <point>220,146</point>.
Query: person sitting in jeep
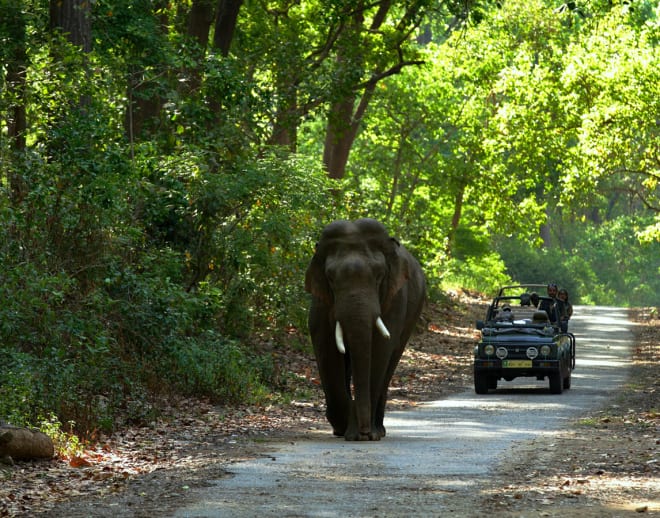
<point>562,296</point>
<point>554,308</point>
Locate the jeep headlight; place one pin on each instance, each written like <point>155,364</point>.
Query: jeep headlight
<point>502,352</point>
<point>489,350</point>
<point>545,350</point>
<point>532,352</point>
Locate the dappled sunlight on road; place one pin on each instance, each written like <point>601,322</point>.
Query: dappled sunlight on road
<point>600,362</point>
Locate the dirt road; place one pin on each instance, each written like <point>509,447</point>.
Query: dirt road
<point>436,459</point>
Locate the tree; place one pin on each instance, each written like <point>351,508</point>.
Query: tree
<point>366,54</point>
<point>133,43</point>
<point>14,54</point>
<point>74,19</point>
<point>225,24</point>
<point>617,157</point>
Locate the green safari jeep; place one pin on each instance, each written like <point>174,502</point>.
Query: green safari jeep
<point>518,339</point>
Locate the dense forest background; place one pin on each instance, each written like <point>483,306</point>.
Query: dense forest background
<point>166,168</point>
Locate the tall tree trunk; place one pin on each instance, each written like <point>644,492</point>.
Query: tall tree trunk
<point>142,108</point>
<point>456,216</point>
<point>202,15</point>
<point>74,19</point>
<point>200,19</point>
<point>346,114</point>
<point>338,138</point>
<point>285,128</point>
<point>15,79</point>
<point>343,124</point>
<point>341,127</point>
<point>225,24</point>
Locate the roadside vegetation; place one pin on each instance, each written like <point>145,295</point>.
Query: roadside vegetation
<point>166,167</point>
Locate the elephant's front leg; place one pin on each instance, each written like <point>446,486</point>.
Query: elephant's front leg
<point>337,399</point>
<point>361,421</point>
<point>356,432</point>
<point>332,369</point>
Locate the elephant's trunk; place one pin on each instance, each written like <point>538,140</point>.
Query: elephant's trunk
<point>339,334</point>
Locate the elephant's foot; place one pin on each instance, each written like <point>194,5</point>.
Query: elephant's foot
<point>338,423</point>
<point>365,437</point>
<point>355,435</point>
<point>361,437</point>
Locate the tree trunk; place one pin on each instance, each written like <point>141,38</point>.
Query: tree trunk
<point>199,25</point>
<point>74,19</point>
<point>225,24</point>
<point>338,138</point>
<point>199,22</point>
<point>285,129</point>
<point>346,114</point>
<point>142,108</point>
<point>15,79</point>
<point>456,217</point>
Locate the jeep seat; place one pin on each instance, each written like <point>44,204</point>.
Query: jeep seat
<point>540,317</point>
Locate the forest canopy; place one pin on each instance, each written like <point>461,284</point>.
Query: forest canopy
<point>166,168</point>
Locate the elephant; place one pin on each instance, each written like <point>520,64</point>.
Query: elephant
<point>367,294</point>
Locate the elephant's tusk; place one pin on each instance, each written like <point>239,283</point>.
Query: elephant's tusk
<point>339,338</point>
<point>381,327</point>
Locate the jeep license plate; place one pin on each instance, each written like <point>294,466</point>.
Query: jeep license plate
<point>517,364</point>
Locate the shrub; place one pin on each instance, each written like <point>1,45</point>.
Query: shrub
<point>218,369</point>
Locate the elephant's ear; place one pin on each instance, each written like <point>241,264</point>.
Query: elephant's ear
<point>316,282</point>
<point>399,271</point>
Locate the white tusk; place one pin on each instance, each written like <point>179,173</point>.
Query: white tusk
<point>381,327</point>
<point>339,338</point>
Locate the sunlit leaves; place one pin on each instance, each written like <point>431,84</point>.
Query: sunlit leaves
<point>619,139</point>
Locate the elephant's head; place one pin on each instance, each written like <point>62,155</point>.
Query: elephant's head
<point>356,271</point>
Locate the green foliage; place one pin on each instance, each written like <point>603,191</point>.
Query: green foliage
<point>484,274</point>
<point>234,228</point>
<point>527,263</point>
<point>20,399</point>
<point>596,268</point>
<point>65,442</point>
